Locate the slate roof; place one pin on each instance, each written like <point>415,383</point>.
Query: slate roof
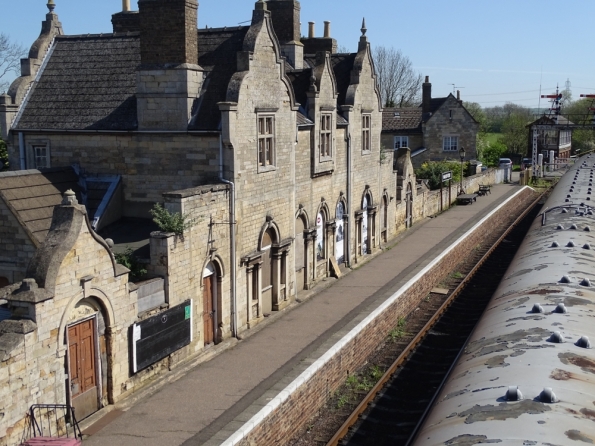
<point>342,67</point>
<point>551,120</point>
<point>32,195</point>
<point>395,119</point>
<point>89,83</point>
<point>217,55</point>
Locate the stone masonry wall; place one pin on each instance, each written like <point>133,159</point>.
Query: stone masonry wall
<point>16,246</point>
<point>150,163</point>
<point>441,124</point>
<point>284,421</point>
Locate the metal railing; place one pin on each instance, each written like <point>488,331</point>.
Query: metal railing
<point>53,421</point>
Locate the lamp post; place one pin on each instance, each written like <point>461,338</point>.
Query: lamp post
<point>462,155</point>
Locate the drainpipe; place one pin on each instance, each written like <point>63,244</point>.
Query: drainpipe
<point>22,151</point>
<point>349,203</point>
<point>232,241</point>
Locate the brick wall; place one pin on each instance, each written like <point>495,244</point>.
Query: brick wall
<point>309,392</point>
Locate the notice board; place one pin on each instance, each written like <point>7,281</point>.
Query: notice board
<point>160,335</point>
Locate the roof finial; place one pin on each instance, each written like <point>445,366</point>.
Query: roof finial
<point>364,29</point>
<point>51,5</point>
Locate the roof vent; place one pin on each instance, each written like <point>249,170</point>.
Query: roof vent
<point>568,196</point>
<point>585,282</point>
<point>555,245</point>
<point>548,396</point>
<point>573,226</point>
<point>537,308</point>
<point>567,200</point>
<point>560,227</point>
<point>588,228</point>
<point>556,338</point>
<point>565,279</point>
<point>513,394</point>
<point>583,342</point>
<point>564,211</point>
<point>560,308</point>
<point>586,246</point>
<point>570,244</point>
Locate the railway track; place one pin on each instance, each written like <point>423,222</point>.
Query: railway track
<point>394,409</point>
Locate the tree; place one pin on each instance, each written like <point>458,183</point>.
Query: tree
<point>10,60</point>
<point>515,134</point>
<point>398,83</point>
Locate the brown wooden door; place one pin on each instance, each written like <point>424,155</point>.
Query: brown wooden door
<point>208,313</point>
<point>83,369</point>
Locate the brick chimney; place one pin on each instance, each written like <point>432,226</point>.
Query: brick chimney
<point>169,78</point>
<point>285,15</point>
<point>426,89</point>
<point>313,44</point>
<point>127,20</point>
<point>169,32</point>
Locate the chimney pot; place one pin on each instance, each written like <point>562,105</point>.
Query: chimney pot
<point>311,30</point>
<point>458,95</point>
<point>427,79</point>
<point>125,5</point>
<point>327,28</point>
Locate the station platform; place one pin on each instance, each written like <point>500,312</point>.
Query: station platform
<point>206,403</point>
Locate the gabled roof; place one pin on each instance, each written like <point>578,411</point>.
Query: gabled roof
<point>32,195</point>
<point>552,120</point>
<point>395,119</point>
<point>89,83</point>
<point>217,55</point>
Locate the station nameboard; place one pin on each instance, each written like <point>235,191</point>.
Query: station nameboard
<point>446,176</point>
<point>160,335</point>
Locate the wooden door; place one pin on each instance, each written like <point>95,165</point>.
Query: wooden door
<point>83,368</point>
<point>409,207</point>
<point>267,274</point>
<point>208,313</point>
<point>300,264</point>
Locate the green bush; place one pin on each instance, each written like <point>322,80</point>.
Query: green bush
<point>492,153</point>
<point>432,171</point>
<point>171,222</point>
<point>130,261</point>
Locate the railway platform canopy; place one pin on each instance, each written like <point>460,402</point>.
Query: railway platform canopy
<point>207,403</point>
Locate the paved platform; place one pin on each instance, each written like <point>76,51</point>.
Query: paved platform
<point>215,397</point>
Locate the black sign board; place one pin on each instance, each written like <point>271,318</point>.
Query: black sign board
<point>446,176</point>
<point>160,335</point>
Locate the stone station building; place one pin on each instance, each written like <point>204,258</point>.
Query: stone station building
<point>271,142</point>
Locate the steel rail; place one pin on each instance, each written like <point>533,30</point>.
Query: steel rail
<point>363,405</point>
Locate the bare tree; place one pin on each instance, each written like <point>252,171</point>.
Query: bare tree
<point>10,60</point>
<point>399,84</point>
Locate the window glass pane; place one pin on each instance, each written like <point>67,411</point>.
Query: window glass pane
<point>319,237</point>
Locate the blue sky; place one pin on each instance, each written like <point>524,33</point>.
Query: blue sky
<point>494,51</point>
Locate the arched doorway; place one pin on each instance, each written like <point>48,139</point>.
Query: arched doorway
<point>87,351</point>
<point>364,226</point>
<point>340,233</point>
<point>268,238</point>
<point>300,254</point>
<point>384,218</point>
<point>210,307</point>
<point>409,206</point>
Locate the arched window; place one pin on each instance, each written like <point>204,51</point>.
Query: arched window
<point>320,236</point>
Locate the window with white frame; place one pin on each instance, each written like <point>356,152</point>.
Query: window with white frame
<point>326,135</point>
<point>450,143</point>
<point>38,154</point>
<point>401,141</point>
<point>266,141</point>
<point>366,132</point>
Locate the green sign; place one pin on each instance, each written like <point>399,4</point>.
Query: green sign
<point>187,312</point>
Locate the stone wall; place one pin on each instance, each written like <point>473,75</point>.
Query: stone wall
<point>17,246</point>
<point>150,163</point>
<point>451,119</point>
<point>286,413</point>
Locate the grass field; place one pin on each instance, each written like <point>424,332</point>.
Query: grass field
<point>493,137</point>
